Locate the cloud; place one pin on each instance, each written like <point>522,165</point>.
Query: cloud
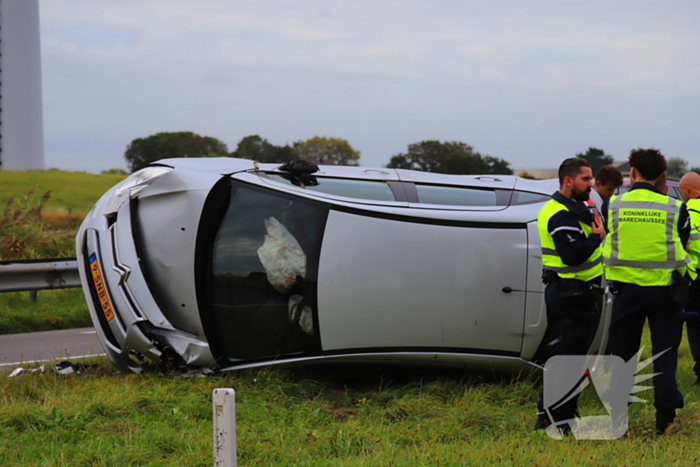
<point>499,76</point>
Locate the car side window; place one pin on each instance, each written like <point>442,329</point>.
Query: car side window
<point>350,188</point>
<point>456,195</point>
<point>525,197</point>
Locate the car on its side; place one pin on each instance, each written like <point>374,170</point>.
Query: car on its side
<point>225,263</point>
<point>673,189</point>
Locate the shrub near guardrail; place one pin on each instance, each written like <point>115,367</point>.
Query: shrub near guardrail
<point>25,234</point>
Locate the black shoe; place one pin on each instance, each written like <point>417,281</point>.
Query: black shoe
<point>664,417</point>
<point>542,421</point>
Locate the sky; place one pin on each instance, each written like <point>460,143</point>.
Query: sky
<point>528,81</point>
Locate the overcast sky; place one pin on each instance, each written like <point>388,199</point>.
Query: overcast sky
<point>531,82</point>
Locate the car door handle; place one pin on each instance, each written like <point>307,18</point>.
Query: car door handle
<point>509,289</point>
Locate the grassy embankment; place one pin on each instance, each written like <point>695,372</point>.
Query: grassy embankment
<point>313,419</point>
<point>411,419</point>
<point>42,211</point>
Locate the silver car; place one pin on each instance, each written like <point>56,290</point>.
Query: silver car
<point>226,263</point>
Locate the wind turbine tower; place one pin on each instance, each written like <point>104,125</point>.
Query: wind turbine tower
<point>21,113</point>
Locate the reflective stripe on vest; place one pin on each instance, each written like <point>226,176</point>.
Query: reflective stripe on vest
<point>551,260</point>
<point>581,267</point>
<point>651,248</point>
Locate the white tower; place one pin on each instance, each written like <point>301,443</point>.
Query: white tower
<point>21,114</point>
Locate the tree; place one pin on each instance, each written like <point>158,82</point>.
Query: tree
<point>448,158</point>
<point>676,167</point>
<point>255,148</point>
<point>597,158</point>
<point>322,148</point>
<point>117,171</point>
<point>143,151</point>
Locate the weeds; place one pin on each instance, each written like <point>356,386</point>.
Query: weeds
<point>34,226</point>
<point>24,234</point>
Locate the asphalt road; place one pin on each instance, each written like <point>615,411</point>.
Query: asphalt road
<point>28,349</point>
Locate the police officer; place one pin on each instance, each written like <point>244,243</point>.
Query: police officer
<point>645,261</point>
<point>690,189</point>
<point>571,262</point>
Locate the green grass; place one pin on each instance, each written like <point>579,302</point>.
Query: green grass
<point>54,309</point>
<point>74,191</point>
<point>315,418</point>
<point>42,210</point>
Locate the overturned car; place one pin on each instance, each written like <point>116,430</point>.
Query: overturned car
<point>225,263</point>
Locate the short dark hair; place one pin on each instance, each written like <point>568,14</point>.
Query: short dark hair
<point>571,167</point>
<point>609,175</point>
<point>649,162</point>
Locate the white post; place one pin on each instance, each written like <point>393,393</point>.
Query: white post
<point>224,401</point>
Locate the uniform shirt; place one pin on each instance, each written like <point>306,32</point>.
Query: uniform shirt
<point>571,243</point>
<point>595,204</point>
<point>683,217</point>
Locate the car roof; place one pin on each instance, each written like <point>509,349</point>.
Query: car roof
<point>229,165</point>
<point>669,181</point>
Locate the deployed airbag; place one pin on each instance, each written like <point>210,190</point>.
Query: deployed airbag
<point>281,256</point>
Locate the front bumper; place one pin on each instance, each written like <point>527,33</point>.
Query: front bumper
<point>131,326</point>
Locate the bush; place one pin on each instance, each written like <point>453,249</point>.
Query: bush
<point>25,235</point>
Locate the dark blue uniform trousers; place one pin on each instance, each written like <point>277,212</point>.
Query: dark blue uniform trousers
<point>571,326</point>
<point>632,306</point>
<point>693,324</point>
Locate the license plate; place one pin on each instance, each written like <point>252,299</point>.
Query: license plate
<point>100,288</point>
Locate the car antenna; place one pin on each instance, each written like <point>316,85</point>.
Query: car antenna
<point>301,172</point>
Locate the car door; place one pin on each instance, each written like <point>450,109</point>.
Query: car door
<point>412,283</point>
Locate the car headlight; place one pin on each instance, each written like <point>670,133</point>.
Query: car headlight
<point>133,185</point>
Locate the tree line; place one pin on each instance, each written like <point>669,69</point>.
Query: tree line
<point>676,166</point>
<point>320,149</point>
<point>452,157</point>
<point>449,157</point>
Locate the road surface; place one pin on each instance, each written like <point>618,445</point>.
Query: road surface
<point>28,349</point>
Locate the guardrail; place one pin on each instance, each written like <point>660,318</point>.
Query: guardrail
<point>32,275</point>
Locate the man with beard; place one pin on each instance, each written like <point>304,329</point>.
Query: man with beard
<point>571,262</point>
<point>645,263</point>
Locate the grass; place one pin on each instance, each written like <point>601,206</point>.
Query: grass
<point>43,210</point>
<point>393,417</point>
<point>70,191</point>
<point>311,418</point>
<point>41,213</point>
<point>54,309</point>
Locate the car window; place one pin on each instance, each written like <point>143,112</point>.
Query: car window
<point>349,188</point>
<point>675,192</point>
<point>264,267</point>
<point>525,197</point>
<point>456,196</point>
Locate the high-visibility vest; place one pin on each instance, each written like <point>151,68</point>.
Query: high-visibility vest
<point>590,269</point>
<point>643,246</point>
<point>694,242</point>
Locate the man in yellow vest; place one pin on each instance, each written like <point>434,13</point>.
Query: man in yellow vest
<point>571,262</point>
<point>690,189</point>
<point>645,263</point>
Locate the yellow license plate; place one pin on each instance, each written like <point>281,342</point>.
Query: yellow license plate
<point>100,288</point>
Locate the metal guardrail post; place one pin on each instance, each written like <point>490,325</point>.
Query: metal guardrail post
<point>33,275</point>
<point>224,402</point>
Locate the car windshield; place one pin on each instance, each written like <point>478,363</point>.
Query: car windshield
<point>262,300</point>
